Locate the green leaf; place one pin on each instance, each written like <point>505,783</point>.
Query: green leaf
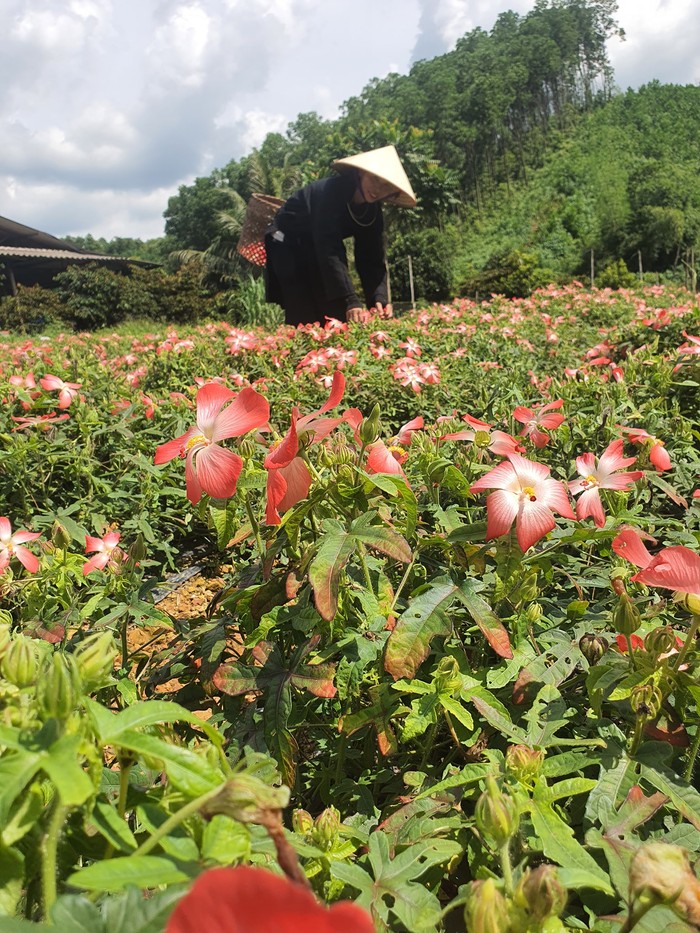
<point>426,617</point>
<point>335,550</point>
<point>113,827</point>
<point>189,772</point>
<point>74,913</point>
<point>578,868</point>
<point>115,874</point>
<point>488,622</point>
<point>131,912</point>
<point>16,771</point>
<point>683,796</point>
<point>11,879</point>
<point>62,763</point>
<point>382,539</point>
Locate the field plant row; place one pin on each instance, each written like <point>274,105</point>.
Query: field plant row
<point>452,674</point>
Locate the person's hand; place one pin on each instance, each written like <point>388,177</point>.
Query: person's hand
<point>384,311</point>
<point>357,315</point>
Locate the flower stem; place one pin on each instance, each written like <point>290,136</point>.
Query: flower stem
<point>692,632</point>
<point>178,817</point>
<point>255,525</point>
<point>506,868</point>
<point>49,850</point>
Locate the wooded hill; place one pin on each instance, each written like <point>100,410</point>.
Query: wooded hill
<point>525,158</point>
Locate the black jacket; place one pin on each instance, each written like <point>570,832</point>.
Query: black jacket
<point>316,220</point>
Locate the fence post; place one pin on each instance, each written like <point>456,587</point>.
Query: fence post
<point>592,268</point>
<point>410,282</point>
<point>639,262</point>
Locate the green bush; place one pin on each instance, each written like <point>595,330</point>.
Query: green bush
<point>616,275</point>
<point>432,252</point>
<point>31,310</point>
<point>513,274</point>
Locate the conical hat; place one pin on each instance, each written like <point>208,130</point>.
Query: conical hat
<point>385,164</point>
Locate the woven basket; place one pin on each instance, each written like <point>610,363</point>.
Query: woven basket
<point>258,216</point>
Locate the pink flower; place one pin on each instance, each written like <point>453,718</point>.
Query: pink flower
<point>407,431</point>
<point>526,494</point>
<point>254,900</point>
<point>11,546</point>
<point>383,459</point>
<point>39,421</point>
<point>105,550</point>
<point>288,476</point>
<point>534,420</point>
<point>604,476</point>
<point>499,442</point>
<point>209,467</point>
<point>674,568</point>
<point>658,455</point>
<point>67,391</point>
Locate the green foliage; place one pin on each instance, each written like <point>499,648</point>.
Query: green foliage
<point>513,274</point>
<point>431,252</point>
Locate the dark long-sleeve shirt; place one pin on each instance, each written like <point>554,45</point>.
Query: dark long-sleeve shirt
<point>318,218</point>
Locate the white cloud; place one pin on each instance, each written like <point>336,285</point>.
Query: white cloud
<point>108,106</point>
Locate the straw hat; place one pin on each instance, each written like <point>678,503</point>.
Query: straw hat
<point>384,163</point>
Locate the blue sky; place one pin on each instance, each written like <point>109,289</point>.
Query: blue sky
<point>107,106</point>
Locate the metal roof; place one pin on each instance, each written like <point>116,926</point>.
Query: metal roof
<point>32,252</point>
<point>18,234</point>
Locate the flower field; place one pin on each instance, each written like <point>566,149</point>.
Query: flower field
<point>452,674</point>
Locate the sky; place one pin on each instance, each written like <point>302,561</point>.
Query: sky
<point>108,106</point>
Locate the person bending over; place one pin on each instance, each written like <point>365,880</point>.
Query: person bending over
<point>307,267</point>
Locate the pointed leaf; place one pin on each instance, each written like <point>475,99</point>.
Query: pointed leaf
<point>409,643</point>
<point>490,625</point>
<point>335,550</point>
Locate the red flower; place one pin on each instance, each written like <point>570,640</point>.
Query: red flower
<point>535,420</point>
<point>658,455</point>
<point>209,467</point>
<point>674,568</point>
<point>288,476</point>
<point>254,900</point>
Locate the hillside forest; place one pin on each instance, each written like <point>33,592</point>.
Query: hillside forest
<point>529,163</point>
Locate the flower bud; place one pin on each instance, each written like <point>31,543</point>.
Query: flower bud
<point>58,688</point>
<point>533,613</point>
<point>448,677</point>
<point>94,658</point>
<point>691,601</point>
<point>60,535</point>
<point>247,448</point>
<point>326,827</point>
<point>246,798</point>
<point>486,910</point>
<point>646,700</point>
<point>660,640</point>
<point>541,894</point>
<point>593,647</point>
<point>617,580</point>
<point>661,874</point>
<point>626,617</point>
<point>496,813</point>
<point>302,822</point>
<point>524,763</point>
<point>369,427</point>
<point>137,551</point>
<point>20,662</point>
<point>528,590</point>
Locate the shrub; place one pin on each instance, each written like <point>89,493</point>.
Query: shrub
<point>31,310</point>
<point>514,274</point>
<point>431,253</point>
